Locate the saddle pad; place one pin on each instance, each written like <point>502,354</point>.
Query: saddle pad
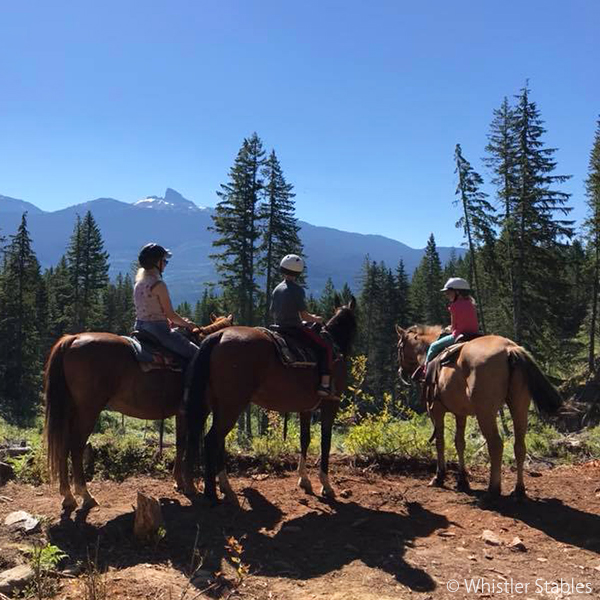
<point>290,353</point>
<point>150,359</point>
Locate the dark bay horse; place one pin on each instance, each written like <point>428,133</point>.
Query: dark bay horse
<point>240,365</point>
<point>488,372</point>
<point>88,372</point>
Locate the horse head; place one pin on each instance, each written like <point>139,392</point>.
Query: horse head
<point>413,343</point>
<point>342,326</point>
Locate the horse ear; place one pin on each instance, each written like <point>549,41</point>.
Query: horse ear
<point>230,318</point>
<point>213,317</point>
<point>352,303</point>
<point>400,331</point>
<point>336,300</point>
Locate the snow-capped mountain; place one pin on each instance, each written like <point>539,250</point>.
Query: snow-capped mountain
<point>182,226</point>
<point>172,200</point>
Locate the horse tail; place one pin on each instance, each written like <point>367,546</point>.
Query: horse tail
<point>196,407</point>
<point>58,406</point>
<point>544,394</point>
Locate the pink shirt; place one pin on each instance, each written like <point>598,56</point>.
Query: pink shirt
<point>464,315</point>
<point>147,305</point>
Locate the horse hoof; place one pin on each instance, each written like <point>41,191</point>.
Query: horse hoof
<point>89,503</point>
<point>463,485</point>
<point>327,492</point>
<point>306,485</point>
<point>519,493</point>
<point>437,482</point>
<point>69,505</point>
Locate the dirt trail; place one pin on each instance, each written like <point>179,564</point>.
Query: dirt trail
<point>385,536</point>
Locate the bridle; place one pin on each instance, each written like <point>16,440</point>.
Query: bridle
<point>401,361</point>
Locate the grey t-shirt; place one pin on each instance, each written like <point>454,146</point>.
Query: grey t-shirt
<point>286,302</point>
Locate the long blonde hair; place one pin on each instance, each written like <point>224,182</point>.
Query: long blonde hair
<point>141,273</point>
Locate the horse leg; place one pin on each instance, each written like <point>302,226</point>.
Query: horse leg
<point>181,485</point>
<point>518,404</point>
<point>210,489</point>
<point>438,413</point>
<point>224,427</point>
<point>69,502</point>
<point>303,480</point>
<point>80,438</point>
<point>489,428</point>
<point>329,409</point>
<point>459,442</point>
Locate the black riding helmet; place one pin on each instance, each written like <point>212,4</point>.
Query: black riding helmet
<point>151,254</point>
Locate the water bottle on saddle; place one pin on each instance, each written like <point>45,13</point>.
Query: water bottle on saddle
<point>288,306</point>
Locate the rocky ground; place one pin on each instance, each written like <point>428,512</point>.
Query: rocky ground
<point>385,536</point>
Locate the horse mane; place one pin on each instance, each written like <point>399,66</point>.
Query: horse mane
<point>342,327</point>
<point>220,323</point>
<point>425,334</point>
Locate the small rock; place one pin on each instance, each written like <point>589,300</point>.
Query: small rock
<point>15,579</point>
<point>446,533</point>
<point>260,477</point>
<point>517,545</point>
<point>22,521</point>
<point>487,555</point>
<point>542,559</point>
<point>472,557</point>
<point>489,537</point>
<point>346,493</point>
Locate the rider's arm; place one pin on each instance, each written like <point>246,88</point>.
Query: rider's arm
<point>161,291</point>
<point>306,316</point>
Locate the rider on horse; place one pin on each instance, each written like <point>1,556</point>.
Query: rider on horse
<point>289,310</point>
<point>463,320</point>
<point>153,308</point>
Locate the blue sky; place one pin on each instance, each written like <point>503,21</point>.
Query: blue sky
<point>362,101</point>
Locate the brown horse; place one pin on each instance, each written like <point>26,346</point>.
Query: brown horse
<point>488,372</point>
<point>88,372</point>
<point>240,365</point>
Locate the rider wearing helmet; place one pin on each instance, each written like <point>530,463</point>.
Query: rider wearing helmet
<point>463,319</point>
<point>288,306</point>
<point>153,309</point>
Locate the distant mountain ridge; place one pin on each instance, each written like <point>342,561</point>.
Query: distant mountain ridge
<point>182,226</point>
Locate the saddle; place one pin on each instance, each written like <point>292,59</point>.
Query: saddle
<point>151,355</point>
<point>290,351</point>
<point>446,357</point>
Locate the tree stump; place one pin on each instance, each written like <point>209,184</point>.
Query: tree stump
<point>148,518</point>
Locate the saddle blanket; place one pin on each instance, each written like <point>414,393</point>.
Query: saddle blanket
<point>290,352</point>
<point>152,358</point>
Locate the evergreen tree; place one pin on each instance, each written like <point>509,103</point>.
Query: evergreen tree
<point>477,220</point>
<point>327,300</point>
<point>426,295</point>
<point>19,332</point>
<point>592,227</point>
<point>60,298</point>
<point>280,228</point>
<point>236,223</point>
<point>538,233</point>
<point>88,269</point>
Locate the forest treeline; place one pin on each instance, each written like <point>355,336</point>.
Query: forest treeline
<point>535,273</point>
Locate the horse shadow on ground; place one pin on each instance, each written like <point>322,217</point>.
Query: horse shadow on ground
<point>324,540</point>
<point>561,522</point>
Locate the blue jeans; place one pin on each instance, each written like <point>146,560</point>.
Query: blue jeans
<point>172,340</point>
<point>438,346</point>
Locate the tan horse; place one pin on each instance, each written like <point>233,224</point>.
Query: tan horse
<point>488,372</point>
<point>88,372</point>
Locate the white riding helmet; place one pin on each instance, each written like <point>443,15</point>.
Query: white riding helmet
<point>456,283</point>
<point>292,263</point>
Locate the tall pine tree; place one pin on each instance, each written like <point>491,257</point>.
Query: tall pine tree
<point>236,223</point>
